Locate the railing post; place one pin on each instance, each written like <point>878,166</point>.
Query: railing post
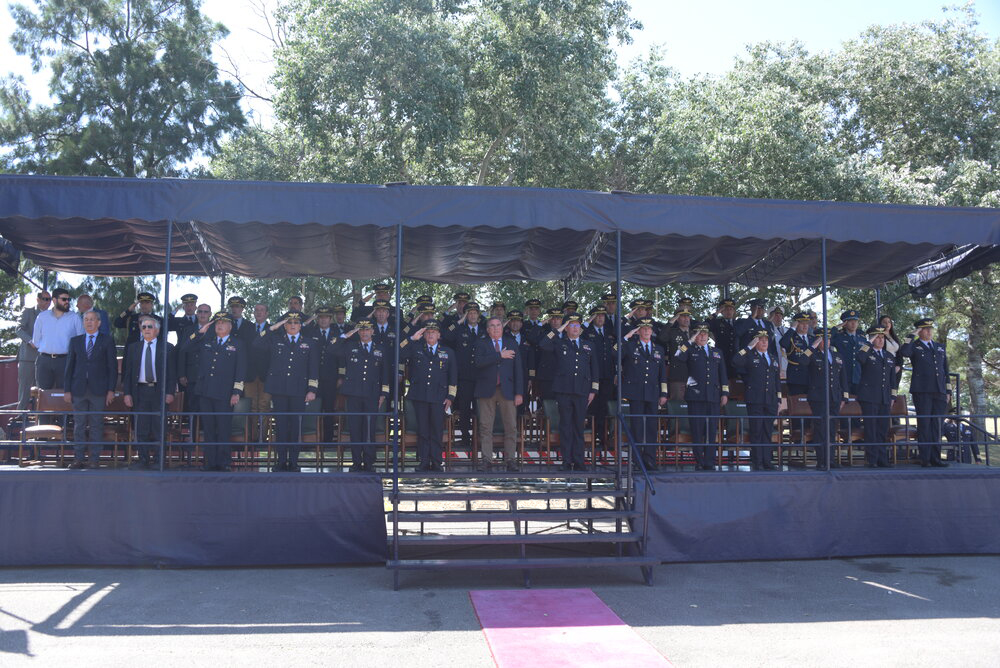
<point>164,378</point>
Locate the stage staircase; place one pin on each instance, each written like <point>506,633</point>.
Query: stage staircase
<point>519,521</point>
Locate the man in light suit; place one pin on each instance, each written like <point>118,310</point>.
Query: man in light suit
<point>91,375</point>
<point>26,352</point>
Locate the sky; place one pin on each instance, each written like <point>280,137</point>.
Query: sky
<point>697,37</point>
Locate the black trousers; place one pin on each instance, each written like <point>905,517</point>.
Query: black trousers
<point>797,388</point>
<point>817,408</point>
<point>217,430</point>
<point>599,406</point>
<point>147,427</point>
<point>761,417</point>
<point>929,428</point>
<point>644,429</point>
<point>50,372</point>
<point>464,408</point>
<point>287,429</point>
<point>328,404</point>
<point>876,433</point>
<point>572,417</point>
<point>703,430</point>
<point>430,424</point>
<point>362,429</point>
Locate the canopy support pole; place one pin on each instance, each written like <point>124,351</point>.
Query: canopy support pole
<point>878,305</point>
<point>618,353</point>
<point>164,377</point>
<point>826,361</point>
<point>222,290</point>
<point>45,280</point>
<point>395,373</point>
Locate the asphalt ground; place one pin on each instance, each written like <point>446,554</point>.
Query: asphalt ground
<point>892,611</point>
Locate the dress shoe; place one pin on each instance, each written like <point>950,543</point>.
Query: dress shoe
<point>869,465</point>
<point>513,467</point>
<point>925,465</point>
<point>566,467</point>
<point>357,468</point>
<point>835,465</point>
<point>294,468</point>
<point>767,466</point>
<point>435,467</point>
<point>77,465</point>
<point>225,468</point>
<point>580,467</point>
<point>886,466</point>
<point>940,464</point>
<point>278,468</point>
<point>139,466</point>
<point>708,467</point>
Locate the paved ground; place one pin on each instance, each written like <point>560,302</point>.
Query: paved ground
<point>910,612</point>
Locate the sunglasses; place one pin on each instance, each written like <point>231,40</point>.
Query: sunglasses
<point>202,311</point>
<point>45,299</point>
<point>64,299</point>
<point>147,327</point>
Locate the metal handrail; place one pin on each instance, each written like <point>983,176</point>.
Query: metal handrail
<point>633,448</point>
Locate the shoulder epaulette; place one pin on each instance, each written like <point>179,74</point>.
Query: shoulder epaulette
<point>864,348</point>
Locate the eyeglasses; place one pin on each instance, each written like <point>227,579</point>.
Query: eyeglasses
<point>64,299</point>
<point>203,311</point>
<point>45,299</point>
<point>147,326</point>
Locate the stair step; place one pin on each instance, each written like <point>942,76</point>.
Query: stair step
<point>492,477</point>
<point>517,563</point>
<point>507,496</point>
<point>511,516</point>
<point>523,539</point>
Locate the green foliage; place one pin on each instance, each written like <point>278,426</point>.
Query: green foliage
<point>135,90</point>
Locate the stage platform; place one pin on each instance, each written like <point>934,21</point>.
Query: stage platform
<point>190,519</point>
<point>810,515</point>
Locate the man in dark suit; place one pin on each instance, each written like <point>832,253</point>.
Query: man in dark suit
<point>795,342</point>
<point>91,375</point>
<point>575,383</point>
<point>326,335</point>
<point>462,337</point>
<point>603,338</point>
<point>85,303</point>
<point>526,351</point>
<point>837,388</point>
<point>292,382</point>
<point>129,318</point>
<point>746,328</point>
<point>723,327</point>
<point>221,373</point>
<point>142,382</point>
<point>930,386</point>
<point>498,385</point>
<point>644,386</point>
<point>878,372</point>
<point>433,374</point>
<point>706,392</point>
<point>365,376</point>
<point>243,329</point>
<point>762,375</point>
<point>186,323</point>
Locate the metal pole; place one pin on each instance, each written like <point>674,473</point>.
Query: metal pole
<point>618,355</point>
<point>222,290</point>
<point>565,289</point>
<point>395,366</point>
<point>878,305</point>
<point>164,376</point>
<point>725,291</point>
<point>826,362</point>
<point>45,280</point>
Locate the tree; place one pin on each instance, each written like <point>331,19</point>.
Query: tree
<point>134,88</point>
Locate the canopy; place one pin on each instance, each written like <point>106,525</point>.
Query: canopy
<point>117,227</point>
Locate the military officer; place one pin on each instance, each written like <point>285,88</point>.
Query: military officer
<point>706,393</point>
<point>610,302</point>
<point>129,318</point>
<point>185,324</point>
<point>498,309</point>
<point>818,389</point>
<point>597,332</point>
<point>930,386</point>
<point>677,335</point>
<point>455,311</point>
<point>796,342</point>
<point>644,385</point>
<point>424,312</point>
<point>365,377</point>
<point>340,322</point>
<point>575,384</point>
<point>532,314</point>
<point>433,373</point>
<point>849,341</point>
<point>544,359</point>
<point>878,372</point>
<point>362,312</point>
<point>462,338</point>
<point>384,327</point>
<point>222,366</point>
<point>326,336</point>
<point>723,328</point>
<point>761,374</point>
<point>243,328</point>
<point>292,381</point>
<point>515,329</point>
<point>746,328</point>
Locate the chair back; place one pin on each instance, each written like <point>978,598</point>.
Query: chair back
<point>798,406</point>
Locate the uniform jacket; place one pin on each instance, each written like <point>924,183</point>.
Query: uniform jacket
<point>293,369</point>
<point>365,374</point>
<point>878,375</point>
<point>849,346</point>
<point>462,339</point>
<point>644,376</point>
<point>744,332</point>
<point>673,339</point>
<point>707,377</point>
<point>604,346</point>
<point>839,378</point>
<point>798,353</point>
<point>576,367</point>
<point>220,370</point>
<point>433,376</point>
<point>930,366</point>
<point>762,380</point>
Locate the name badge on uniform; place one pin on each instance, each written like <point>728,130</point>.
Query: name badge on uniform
<point>377,353</point>
<point>304,346</point>
<point>716,355</point>
<point>442,354</point>
<point>586,347</point>
<point>231,349</point>
<point>656,356</point>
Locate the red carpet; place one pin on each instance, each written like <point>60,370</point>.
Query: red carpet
<point>558,627</point>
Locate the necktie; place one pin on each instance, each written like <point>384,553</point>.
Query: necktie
<point>646,348</point>
<point>496,344</point>
<point>324,333</point>
<point>576,342</point>
<point>291,339</point>
<point>368,348</point>
<point>260,328</point>
<point>220,342</point>
<point>90,344</point>
<point>706,350</point>
<point>191,318</point>
<point>148,364</point>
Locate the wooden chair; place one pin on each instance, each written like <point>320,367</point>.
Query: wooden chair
<point>734,433</point>
<point>904,434</point>
<point>851,415</point>
<point>551,441</point>
<point>678,432</point>
<point>800,430</point>
<point>44,430</point>
<point>117,427</point>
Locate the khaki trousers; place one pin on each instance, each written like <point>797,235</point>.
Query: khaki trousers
<point>487,415</point>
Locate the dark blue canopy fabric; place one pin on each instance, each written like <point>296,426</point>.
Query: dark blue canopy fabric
<point>106,226</point>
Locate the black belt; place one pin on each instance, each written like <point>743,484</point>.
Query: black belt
<point>53,355</point>
<point>147,384</point>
